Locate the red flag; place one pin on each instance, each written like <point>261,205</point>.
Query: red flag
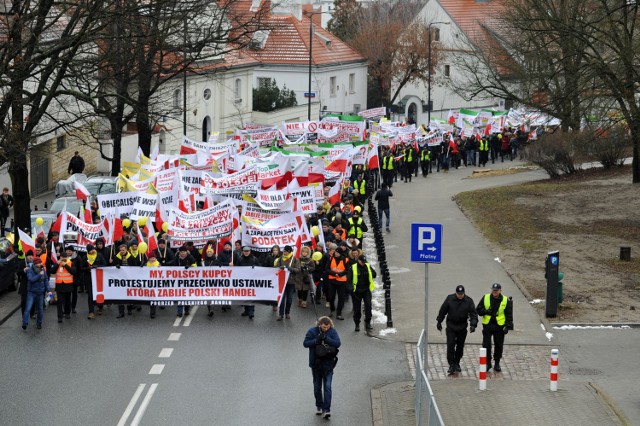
<point>87,214</point>
<point>342,162</point>
<point>159,221</point>
<point>27,242</point>
<point>334,192</point>
<point>487,130</point>
<point>54,255</point>
<point>183,206</point>
<point>153,243</point>
<point>373,161</point>
<point>56,225</point>
<point>82,193</point>
<point>118,232</point>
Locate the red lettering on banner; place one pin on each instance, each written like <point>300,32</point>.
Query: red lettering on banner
<point>172,292</point>
<point>238,292</point>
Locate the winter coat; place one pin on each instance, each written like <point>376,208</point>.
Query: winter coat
<point>36,283</point>
<point>307,265</point>
<point>458,312</point>
<point>294,267</point>
<point>312,338</point>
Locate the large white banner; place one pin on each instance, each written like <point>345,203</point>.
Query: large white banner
<point>121,202</point>
<point>194,286</point>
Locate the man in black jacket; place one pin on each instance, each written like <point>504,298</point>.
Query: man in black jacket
<point>459,310</point>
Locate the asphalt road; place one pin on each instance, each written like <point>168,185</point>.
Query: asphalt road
<point>227,370</point>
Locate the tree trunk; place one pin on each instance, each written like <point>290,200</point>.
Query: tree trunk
<point>19,174</point>
<point>116,138</point>
<point>635,163</point>
<point>144,127</point>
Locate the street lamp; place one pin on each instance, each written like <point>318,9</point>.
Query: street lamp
<point>429,69</point>
<point>310,15</point>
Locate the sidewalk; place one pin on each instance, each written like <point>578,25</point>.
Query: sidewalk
<point>520,394</point>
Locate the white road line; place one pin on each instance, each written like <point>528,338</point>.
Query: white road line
<point>177,322</point>
<point>174,337</point>
<point>165,353</point>
<point>144,405</point>
<point>156,369</point>
<point>187,321</point>
<point>132,403</point>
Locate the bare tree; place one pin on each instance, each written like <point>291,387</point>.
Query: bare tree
<point>572,59</point>
<point>38,43</point>
<point>153,43</point>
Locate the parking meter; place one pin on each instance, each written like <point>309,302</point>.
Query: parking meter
<point>552,266</point>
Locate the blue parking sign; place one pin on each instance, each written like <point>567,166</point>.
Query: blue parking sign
<point>426,243</point>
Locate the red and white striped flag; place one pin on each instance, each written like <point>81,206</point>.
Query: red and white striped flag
<point>82,193</point>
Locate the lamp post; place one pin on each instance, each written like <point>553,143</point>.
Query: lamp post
<point>310,14</point>
<point>429,68</point>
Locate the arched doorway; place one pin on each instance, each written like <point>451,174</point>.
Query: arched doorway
<point>206,128</point>
<point>412,113</point>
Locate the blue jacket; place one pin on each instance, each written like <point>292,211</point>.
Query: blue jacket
<point>37,283</point>
<point>312,339</point>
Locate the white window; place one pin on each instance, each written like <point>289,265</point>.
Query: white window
<point>447,71</point>
<point>206,95</point>
<point>264,81</point>
<point>332,86</point>
<point>177,99</point>
<point>237,90</point>
<point>352,83</point>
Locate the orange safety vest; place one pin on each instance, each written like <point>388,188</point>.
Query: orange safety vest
<point>339,265</point>
<point>342,236</point>
<point>63,276</point>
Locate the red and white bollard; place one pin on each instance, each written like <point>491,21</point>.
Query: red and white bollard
<point>483,369</point>
<point>554,370</point>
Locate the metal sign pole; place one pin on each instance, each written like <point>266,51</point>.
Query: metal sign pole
<point>426,315</point>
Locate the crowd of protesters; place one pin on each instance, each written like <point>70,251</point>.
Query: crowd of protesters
<point>407,160</point>
<point>322,273</point>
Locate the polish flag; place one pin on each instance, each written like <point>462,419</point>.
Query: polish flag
<point>342,162</point>
<point>316,170</point>
<point>56,225</point>
<point>54,256</point>
<point>152,243</point>
<point>86,214</point>
<point>301,170</point>
<point>334,192</point>
<point>82,193</point>
<point>487,130</point>
<point>27,242</point>
<point>373,161</point>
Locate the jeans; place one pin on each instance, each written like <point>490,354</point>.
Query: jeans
<point>38,300</point>
<point>182,308</point>
<point>287,300</point>
<point>386,212</point>
<point>322,377</point>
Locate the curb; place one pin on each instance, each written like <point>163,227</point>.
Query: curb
<point>604,396</point>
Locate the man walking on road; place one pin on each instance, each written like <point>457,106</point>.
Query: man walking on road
<point>497,319</point>
<point>361,276</point>
<point>322,362</point>
<point>459,309</point>
<point>382,197</point>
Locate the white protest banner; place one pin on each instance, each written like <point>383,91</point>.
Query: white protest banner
<point>190,181</point>
<point>271,199</point>
<point>121,203</point>
<point>86,232</point>
<point>243,181</point>
<point>283,231</point>
<point>169,285</point>
<point>189,146</point>
<point>373,112</point>
<point>273,172</point>
<point>253,213</point>
<point>215,216</point>
<point>231,145</point>
<point>165,180</point>
<point>304,197</point>
<point>145,206</point>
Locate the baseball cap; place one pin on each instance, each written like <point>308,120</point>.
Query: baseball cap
<point>37,261</point>
<point>460,289</point>
<point>496,286</point>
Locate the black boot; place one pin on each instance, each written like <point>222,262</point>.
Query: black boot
<point>368,326</point>
<point>357,326</point>
<point>497,367</point>
<point>451,369</point>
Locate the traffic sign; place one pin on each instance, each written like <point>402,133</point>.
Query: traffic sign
<point>426,243</point>
<point>309,94</point>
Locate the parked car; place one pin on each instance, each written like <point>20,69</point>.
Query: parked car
<point>66,186</point>
<point>8,268</point>
<point>73,205</point>
<point>97,185</point>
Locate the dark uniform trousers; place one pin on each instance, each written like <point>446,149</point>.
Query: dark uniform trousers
<point>496,331</point>
<point>455,344</point>
<point>360,296</point>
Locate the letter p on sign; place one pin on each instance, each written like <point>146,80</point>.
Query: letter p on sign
<point>426,236</point>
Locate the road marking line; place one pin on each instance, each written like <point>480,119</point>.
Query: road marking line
<point>132,403</point>
<point>177,322</point>
<point>174,336</point>
<point>156,369</point>
<point>187,321</point>
<point>165,353</point>
<point>144,405</point>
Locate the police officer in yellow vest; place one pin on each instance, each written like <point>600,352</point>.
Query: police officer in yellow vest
<point>425,160</point>
<point>361,276</point>
<point>388,170</point>
<point>360,185</point>
<point>496,311</point>
<point>357,227</point>
<point>483,147</point>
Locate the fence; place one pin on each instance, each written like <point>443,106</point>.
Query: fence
<point>426,409</point>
